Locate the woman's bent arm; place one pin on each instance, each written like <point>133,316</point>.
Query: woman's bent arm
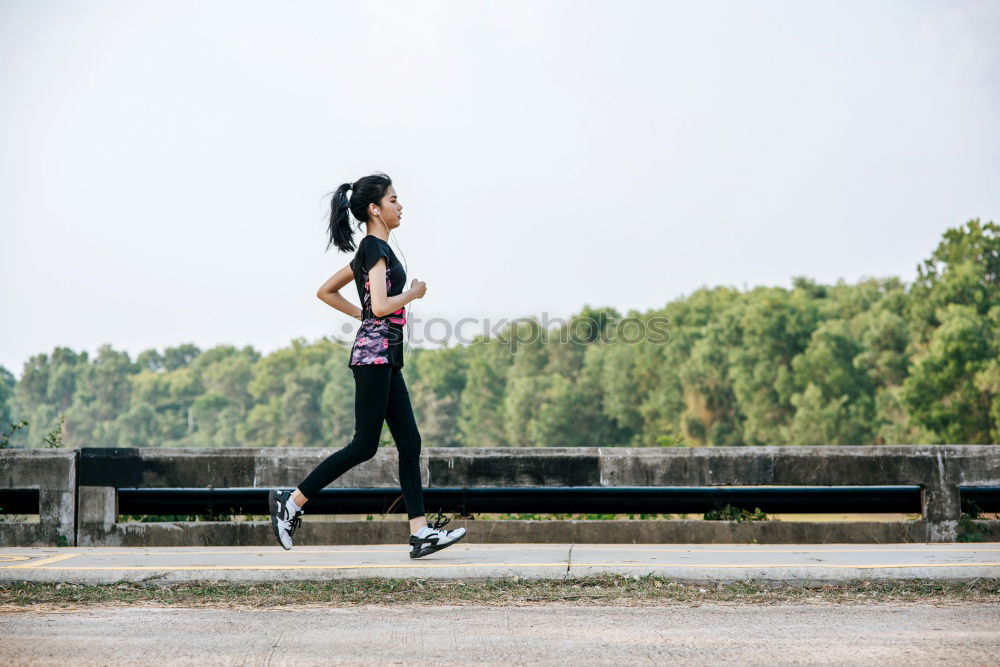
<point>383,305</point>
<point>329,292</point>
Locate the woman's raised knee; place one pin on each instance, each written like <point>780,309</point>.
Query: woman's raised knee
<point>363,448</point>
<point>369,452</point>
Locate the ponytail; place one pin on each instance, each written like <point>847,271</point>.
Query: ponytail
<point>340,220</point>
<point>369,189</point>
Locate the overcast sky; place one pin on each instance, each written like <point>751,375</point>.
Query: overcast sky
<point>166,165</point>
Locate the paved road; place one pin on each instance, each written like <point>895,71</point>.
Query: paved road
<point>683,562</point>
<point>911,634</point>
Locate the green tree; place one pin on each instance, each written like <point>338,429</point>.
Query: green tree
<point>964,269</point>
<point>7,384</point>
<point>944,389</point>
<point>481,414</point>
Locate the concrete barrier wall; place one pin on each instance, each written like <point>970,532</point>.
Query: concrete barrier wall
<point>53,473</point>
<point>98,472</point>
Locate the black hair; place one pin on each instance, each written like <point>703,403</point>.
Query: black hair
<point>367,190</point>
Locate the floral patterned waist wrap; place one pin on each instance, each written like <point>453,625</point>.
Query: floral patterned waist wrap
<point>377,342</point>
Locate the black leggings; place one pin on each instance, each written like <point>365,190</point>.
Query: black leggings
<point>379,395</point>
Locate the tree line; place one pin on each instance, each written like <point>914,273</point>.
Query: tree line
<point>876,362</point>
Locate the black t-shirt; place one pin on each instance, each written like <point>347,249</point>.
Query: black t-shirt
<point>378,340</point>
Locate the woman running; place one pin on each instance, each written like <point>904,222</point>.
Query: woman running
<point>376,360</point>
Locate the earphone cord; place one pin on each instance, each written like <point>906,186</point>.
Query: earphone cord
<point>406,269</point>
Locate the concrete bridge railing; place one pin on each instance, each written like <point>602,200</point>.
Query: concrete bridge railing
<point>78,497</point>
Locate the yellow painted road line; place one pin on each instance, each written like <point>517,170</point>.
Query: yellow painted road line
<point>507,565</point>
<point>12,557</point>
<point>44,561</point>
<point>782,551</point>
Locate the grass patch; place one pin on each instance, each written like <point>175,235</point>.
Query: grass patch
<point>596,589</point>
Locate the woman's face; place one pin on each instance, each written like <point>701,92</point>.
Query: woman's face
<point>390,209</point>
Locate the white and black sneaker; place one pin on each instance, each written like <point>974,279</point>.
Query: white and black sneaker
<point>432,538</point>
<point>283,521</point>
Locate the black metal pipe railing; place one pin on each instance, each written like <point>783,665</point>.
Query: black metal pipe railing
<point>986,498</point>
<point>585,500</point>
<point>609,500</point>
<point>577,500</point>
